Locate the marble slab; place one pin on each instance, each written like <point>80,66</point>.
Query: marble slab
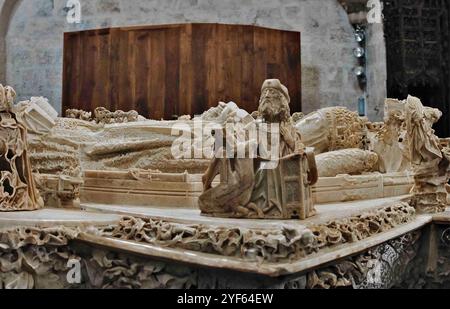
<point>325,213</point>
<point>56,217</point>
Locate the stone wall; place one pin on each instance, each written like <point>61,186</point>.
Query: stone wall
<point>34,41</point>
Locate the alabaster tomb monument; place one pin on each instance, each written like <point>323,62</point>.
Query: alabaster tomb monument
<point>105,188</point>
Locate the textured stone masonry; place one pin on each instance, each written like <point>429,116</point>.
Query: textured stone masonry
<point>34,42</point>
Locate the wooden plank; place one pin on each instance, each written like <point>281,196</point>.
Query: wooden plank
<point>172,76</point>
<point>102,70</point>
<point>200,36</point>
<point>259,60</point>
<point>246,49</point>
<point>186,71</point>
<point>293,62</point>
<point>162,71</point>
<point>154,106</point>
<point>211,66</point>
<point>142,74</point>
<point>114,72</point>
<point>127,83</point>
<point>88,80</point>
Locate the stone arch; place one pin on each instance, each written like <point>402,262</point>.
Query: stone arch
<point>7,10</point>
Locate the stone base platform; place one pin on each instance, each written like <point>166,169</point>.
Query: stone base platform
<point>286,254</point>
<point>56,217</point>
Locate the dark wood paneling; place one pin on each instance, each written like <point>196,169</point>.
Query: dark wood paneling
<point>163,71</point>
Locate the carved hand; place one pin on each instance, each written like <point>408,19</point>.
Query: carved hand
<point>287,136</point>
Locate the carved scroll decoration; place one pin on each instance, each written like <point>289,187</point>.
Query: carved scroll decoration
<point>284,244</point>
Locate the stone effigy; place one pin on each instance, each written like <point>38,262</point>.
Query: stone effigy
<point>79,114</point>
<point>17,187</point>
<point>102,115</point>
<point>37,115</point>
<point>249,192</point>
<point>430,159</point>
<point>346,162</point>
<point>331,129</point>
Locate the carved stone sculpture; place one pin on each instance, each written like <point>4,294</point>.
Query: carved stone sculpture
<point>429,158</point>
<point>331,129</point>
<point>388,141</point>
<point>249,192</point>
<point>79,114</point>
<point>17,187</point>
<point>346,162</point>
<point>37,115</point>
<point>60,191</point>
<point>102,115</point>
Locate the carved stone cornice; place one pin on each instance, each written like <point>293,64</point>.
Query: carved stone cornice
<point>273,245</point>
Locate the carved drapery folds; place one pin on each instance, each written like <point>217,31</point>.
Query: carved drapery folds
<point>429,158</point>
<point>17,187</point>
<point>248,187</point>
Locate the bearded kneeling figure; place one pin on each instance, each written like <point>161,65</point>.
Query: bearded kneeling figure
<point>275,184</point>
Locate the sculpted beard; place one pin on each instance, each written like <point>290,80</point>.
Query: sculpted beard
<point>274,107</point>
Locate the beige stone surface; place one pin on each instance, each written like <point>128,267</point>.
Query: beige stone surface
<point>346,162</point>
<point>325,213</point>
<point>56,217</point>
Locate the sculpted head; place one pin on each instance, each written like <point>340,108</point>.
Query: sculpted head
<point>432,115</point>
<point>7,96</point>
<point>274,102</point>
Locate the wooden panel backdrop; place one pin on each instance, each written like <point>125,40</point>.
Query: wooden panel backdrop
<point>163,71</point>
